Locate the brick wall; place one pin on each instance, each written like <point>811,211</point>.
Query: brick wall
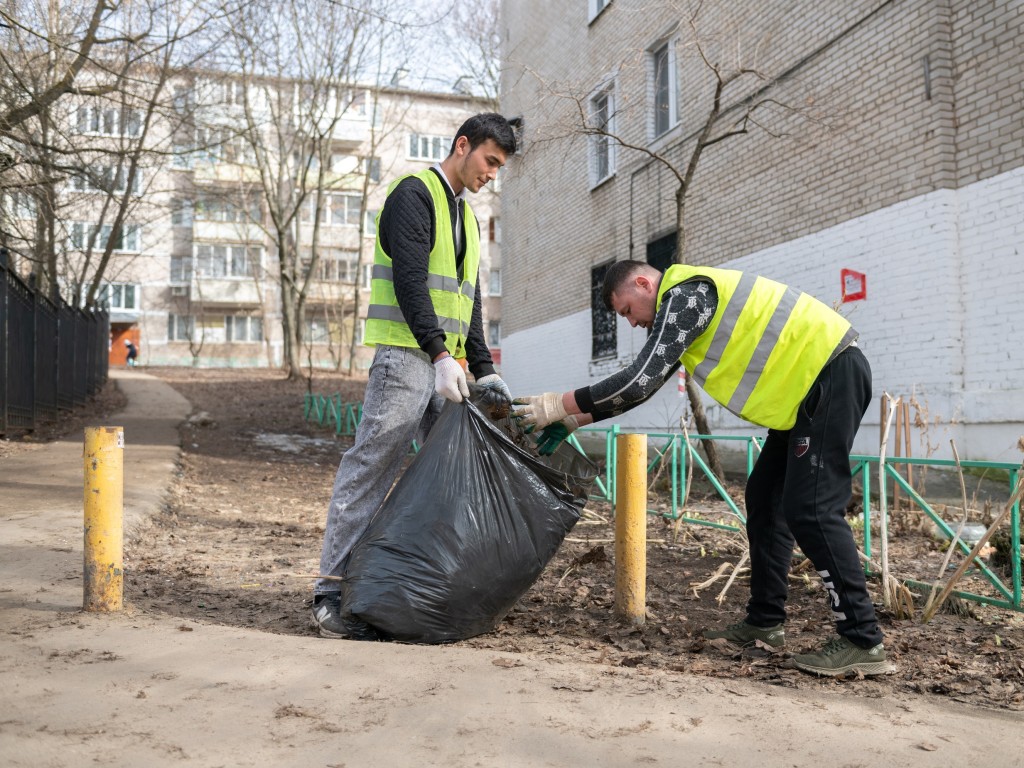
<point>941,322</point>
<point>902,103</point>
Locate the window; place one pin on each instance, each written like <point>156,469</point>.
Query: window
<point>371,167</point>
<point>181,269</point>
<point>227,210</point>
<point>21,205</point>
<point>218,145</point>
<point>370,225</point>
<point>664,81</point>
<point>494,286</point>
<point>234,93</point>
<point>367,276</point>
<point>344,210</point>
<point>602,121</point>
<point>340,210</point>
<point>182,156</point>
<point>243,328</point>
<point>494,230</point>
<point>223,261</point>
<point>110,179</point>
<point>180,327</point>
<point>423,147</point>
<point>333,266</point>
<point>317,331</point>
<point>108,120</point>
<point>602,320</point>
<point>594,8</point>
<point>181,213</point>
<point>183,99</point>
<point>494,333</point>
<point>123,296</point>
<point>661,253</point>
<point>82,232</point>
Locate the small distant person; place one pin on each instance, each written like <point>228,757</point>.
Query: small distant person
<point>133,353</point>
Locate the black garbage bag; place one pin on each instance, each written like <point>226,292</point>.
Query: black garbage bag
<point>466,531</point>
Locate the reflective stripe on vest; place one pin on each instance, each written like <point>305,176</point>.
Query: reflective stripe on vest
<point>451,296</point>
<point>438,282</point>
<point>765,345</point>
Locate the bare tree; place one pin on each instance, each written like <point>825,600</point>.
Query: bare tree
<point>740,98</point>
<point>61,45</point>
<point>300,66</point>
<point>81,160</point>
<point>472,36</point>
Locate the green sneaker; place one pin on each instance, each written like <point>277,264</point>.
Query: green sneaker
<point>746,635</point>
<point>839,656</point>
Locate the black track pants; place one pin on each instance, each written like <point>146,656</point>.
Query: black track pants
<point>798,490</point>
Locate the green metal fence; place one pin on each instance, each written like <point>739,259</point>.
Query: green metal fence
<point>329,410</point>
<point>670,453</point>
<point>671,448</point>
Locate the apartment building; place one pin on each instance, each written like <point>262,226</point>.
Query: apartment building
<point>871,154</point>
<point>194,278</point>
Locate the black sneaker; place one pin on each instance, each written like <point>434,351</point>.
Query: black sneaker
<point>329,621</point>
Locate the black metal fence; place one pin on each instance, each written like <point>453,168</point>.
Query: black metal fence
<point>53,356</point>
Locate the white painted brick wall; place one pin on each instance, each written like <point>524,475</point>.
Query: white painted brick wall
<point>942,320</point>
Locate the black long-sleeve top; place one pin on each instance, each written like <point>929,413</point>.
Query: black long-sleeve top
<point>686,311</point>
<point>406,232</point>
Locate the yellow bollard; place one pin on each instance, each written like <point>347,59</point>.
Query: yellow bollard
<point>104,518</point>
<point>631,528</point>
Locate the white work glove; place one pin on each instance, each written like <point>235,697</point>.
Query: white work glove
<point>494,381</point>
<point>450,379</point>
<point>538,411</point>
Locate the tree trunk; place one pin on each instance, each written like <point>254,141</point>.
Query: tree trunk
<point>289,323</point>
<point>701,420</point>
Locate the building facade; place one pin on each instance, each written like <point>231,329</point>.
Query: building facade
<point>871,155</point>
<point>194,278</point>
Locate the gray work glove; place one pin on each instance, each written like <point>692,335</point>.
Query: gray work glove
<point>495,382</point>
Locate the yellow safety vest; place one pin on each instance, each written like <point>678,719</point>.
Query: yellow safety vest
<point>451,294</point>
<point>765,346</point>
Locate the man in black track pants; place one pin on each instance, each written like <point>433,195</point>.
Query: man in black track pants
<point>780,359</point>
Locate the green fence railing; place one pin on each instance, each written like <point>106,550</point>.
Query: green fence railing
<point>329,410</point>
<point>670,447</point>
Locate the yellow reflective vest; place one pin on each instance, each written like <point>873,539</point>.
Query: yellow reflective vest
<point>765,346</point>
<point>451,294</point>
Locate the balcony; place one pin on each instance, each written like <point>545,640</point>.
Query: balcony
<point>207,291</point>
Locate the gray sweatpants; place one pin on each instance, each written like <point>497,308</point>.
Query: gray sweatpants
<point>400,404</point>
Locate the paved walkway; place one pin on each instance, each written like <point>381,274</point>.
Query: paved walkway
<point>133,689</point>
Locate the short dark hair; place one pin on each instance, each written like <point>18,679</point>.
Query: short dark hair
<point>618,274</point>
<point>487,125</point>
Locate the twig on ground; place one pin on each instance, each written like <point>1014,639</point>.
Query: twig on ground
<point>735,572</point>
<point>956,536</point>
<point>718,574</point>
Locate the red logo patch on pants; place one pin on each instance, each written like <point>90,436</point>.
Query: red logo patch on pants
<point>803,444</point>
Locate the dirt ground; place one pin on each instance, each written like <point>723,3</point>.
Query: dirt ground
<point>238,543</point>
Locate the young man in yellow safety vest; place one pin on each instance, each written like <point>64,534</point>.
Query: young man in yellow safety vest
<point>780,359</point>
<point>424,317</point>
